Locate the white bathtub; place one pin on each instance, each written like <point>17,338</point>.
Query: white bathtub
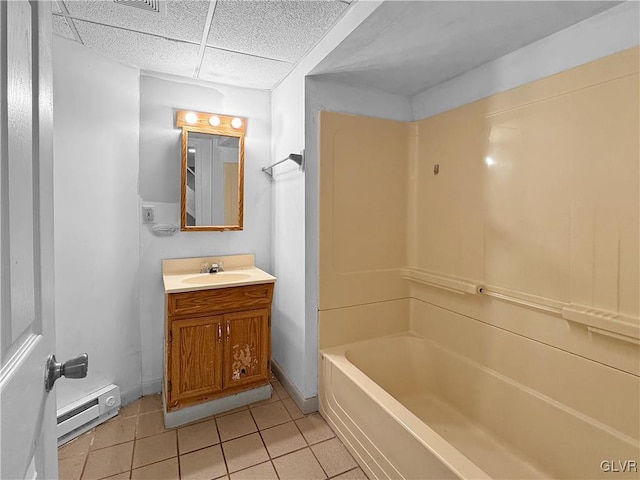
<point>409,408</point>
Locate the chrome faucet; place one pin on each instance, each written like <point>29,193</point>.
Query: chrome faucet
<point>213,268</point>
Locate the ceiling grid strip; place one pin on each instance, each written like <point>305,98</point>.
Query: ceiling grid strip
<point>118,27</point>
<point>205,35</point>
<point>164,37</point>
<point>69,21</point>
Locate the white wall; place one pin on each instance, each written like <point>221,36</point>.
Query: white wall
<point>115,148</point>
<point>294,324</point>
<point>612,31</point>
<point>160,186</point>
<point>95,146</point>
<point>287,324</point>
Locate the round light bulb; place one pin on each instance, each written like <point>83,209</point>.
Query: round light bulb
<point>214,120</point>
<point>191,118</point>
<point>236,122</point>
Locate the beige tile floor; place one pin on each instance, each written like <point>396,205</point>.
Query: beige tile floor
<point>271,439</point>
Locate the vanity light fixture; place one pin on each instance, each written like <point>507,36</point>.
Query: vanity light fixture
<point>208,122</point>
<point>191,150</point>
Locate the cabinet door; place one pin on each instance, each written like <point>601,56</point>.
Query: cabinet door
<point>196,358</point>
<point>246,349</point>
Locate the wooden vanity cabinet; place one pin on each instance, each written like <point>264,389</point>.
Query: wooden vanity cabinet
<point>217,343</point>
<point>195,351</point>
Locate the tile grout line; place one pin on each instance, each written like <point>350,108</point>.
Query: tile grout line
<point>326,441</point>
<point>158,461</point>
<point>262,440</point>
<point>308,445</point>
<point>90,448</point>
<point>229,412</point>
<point>277,394</point>
<point>135,438</point>
<point>311,449</point>
<point>251,466</point>
<point>86,457</point>
<point>177,450</point>
<point>277,424</point>
<point>224,457</point>
<point>177,456</point>
<point>347,471</point>
<point>335,437</point>
<point>268,453</point>
<point>273,391</point>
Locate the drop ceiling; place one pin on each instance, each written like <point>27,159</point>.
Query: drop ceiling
<point>406,47</point>
<point>244,43</point>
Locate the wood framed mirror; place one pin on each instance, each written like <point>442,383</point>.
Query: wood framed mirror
<point>212,171</point>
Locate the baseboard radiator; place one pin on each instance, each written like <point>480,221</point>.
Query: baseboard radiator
<point>87,412</point>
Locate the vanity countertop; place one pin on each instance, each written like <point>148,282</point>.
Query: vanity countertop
<point>182,274</point>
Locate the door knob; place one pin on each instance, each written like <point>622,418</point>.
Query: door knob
<point>75,368</point>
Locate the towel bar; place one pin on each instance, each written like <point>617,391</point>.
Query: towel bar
<point>296,157</point>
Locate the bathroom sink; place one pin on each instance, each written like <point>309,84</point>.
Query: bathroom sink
<point>183,274</point>
<point>216,278</point>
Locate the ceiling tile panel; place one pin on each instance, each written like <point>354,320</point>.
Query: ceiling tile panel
<point>241,70</point>
<point>181,19</point>
<point>281,30</point>
<point>61,27</point>
<point>144,51</point>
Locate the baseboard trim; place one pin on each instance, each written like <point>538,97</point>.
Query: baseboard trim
<point>196,412</point>
<point>306,405</point>
<point>152,387</point>
<point>131,395</point>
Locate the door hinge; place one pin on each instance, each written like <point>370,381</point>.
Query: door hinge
<point>269,321</point>
<point>169,385</point>
<point>170,336</point>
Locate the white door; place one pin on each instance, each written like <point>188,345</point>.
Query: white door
<point>27,411</point>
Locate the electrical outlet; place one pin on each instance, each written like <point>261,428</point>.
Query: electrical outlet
<point>147,214</point>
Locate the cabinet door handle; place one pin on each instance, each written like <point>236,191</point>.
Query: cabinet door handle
<point>219,332</point>
<point>228,330</point>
